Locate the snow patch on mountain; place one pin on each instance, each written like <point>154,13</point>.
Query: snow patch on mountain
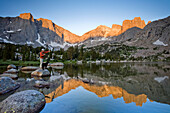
<point>38,40</point>
<point>4,32</point>
<point>7,37</point>
<point>6,41</point>
<point>29,42</point>
<point>68,44</point>
<point>54,44</point>
<point>158,42</point>
<point>19,30</point>
<point>10,31</point>
<point>103,39</point>
<point>160,79</point>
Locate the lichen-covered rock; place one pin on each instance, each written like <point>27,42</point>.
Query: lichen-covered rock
<point>11,71</point>
<point>41,84</point>
<point>7,85</point>
<point>40,73</point>
<point>13,76</point>
<point>11,66</point>
<point>29,101</point>
<point>29,68</point>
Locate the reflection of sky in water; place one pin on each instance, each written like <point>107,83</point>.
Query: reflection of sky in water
<point>83,101</point>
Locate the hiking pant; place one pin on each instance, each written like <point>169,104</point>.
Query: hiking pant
<point>41,61</point>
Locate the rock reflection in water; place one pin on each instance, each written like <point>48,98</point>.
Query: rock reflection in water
<point>100,91</point>
<point>135,78</point>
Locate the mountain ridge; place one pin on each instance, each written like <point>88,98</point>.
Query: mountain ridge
<point>67,36</point>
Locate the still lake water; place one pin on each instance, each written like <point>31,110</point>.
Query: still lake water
<point>113,88</point>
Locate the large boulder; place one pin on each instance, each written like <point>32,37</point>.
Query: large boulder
<point>41,84</point>
<point>40,73</point>
<point>29,68</point>
<point>13,76</point>
<point>7,85</point>
<point>11,71</point>
<point>29,101</point>
<point>11,66</point>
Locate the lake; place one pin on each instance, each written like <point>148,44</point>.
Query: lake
<point>111,88</point>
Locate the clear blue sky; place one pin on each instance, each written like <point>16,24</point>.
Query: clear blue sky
<point>80,16</point>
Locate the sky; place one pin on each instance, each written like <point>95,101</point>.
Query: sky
<point>81,16</point>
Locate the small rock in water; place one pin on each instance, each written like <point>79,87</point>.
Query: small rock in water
<point>12,71</point>
<point>65,77</point>
<point>7,85</point>
<point>29,79</point>
<point>40,73</point>
<point>11,66</point>
<point>29,101</point>
<point>54,78</point>
<point>41,84</point>
<point>57,64</point>
<point>29,68</point>
<point>13,76</point>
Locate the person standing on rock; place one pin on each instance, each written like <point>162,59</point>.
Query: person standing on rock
<point>42,54</point>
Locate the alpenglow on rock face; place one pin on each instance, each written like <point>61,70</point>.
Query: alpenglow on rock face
<point>156,33</point>
<point>136,22</point>
<point>24,29</point>
<point>104,31</point>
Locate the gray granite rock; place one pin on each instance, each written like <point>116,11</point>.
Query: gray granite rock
<point>41,84</point>
<point>13,76</point>
<point>11,71</point>
<point>11,66</point>
<point>29,101</point>
<point>40,73</point>
<point>29,68</point>
<point>7,85</point>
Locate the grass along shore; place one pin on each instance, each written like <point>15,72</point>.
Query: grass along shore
<point>7,62</point>
<point>24,63</point>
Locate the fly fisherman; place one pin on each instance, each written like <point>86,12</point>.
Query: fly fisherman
<point>42,54</point>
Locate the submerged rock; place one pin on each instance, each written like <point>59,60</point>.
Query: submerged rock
<point>29,68</point>
<point>65,77</point>
<point>27,72</point>
<point>29,79</point>
<point>41,84</point>
<point>57,64</point>
<point>12,71</point>
<point>29,101</point>
<point>11,66</point>
<point>80,62</point>
<point>7,85</point>
<point>40,73</point>
<point>13,76</point>
<point>85,80</point>
<point>57,67</point>
<point>54,78</point>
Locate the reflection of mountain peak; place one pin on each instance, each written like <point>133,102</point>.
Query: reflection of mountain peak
<point>100,91</point>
